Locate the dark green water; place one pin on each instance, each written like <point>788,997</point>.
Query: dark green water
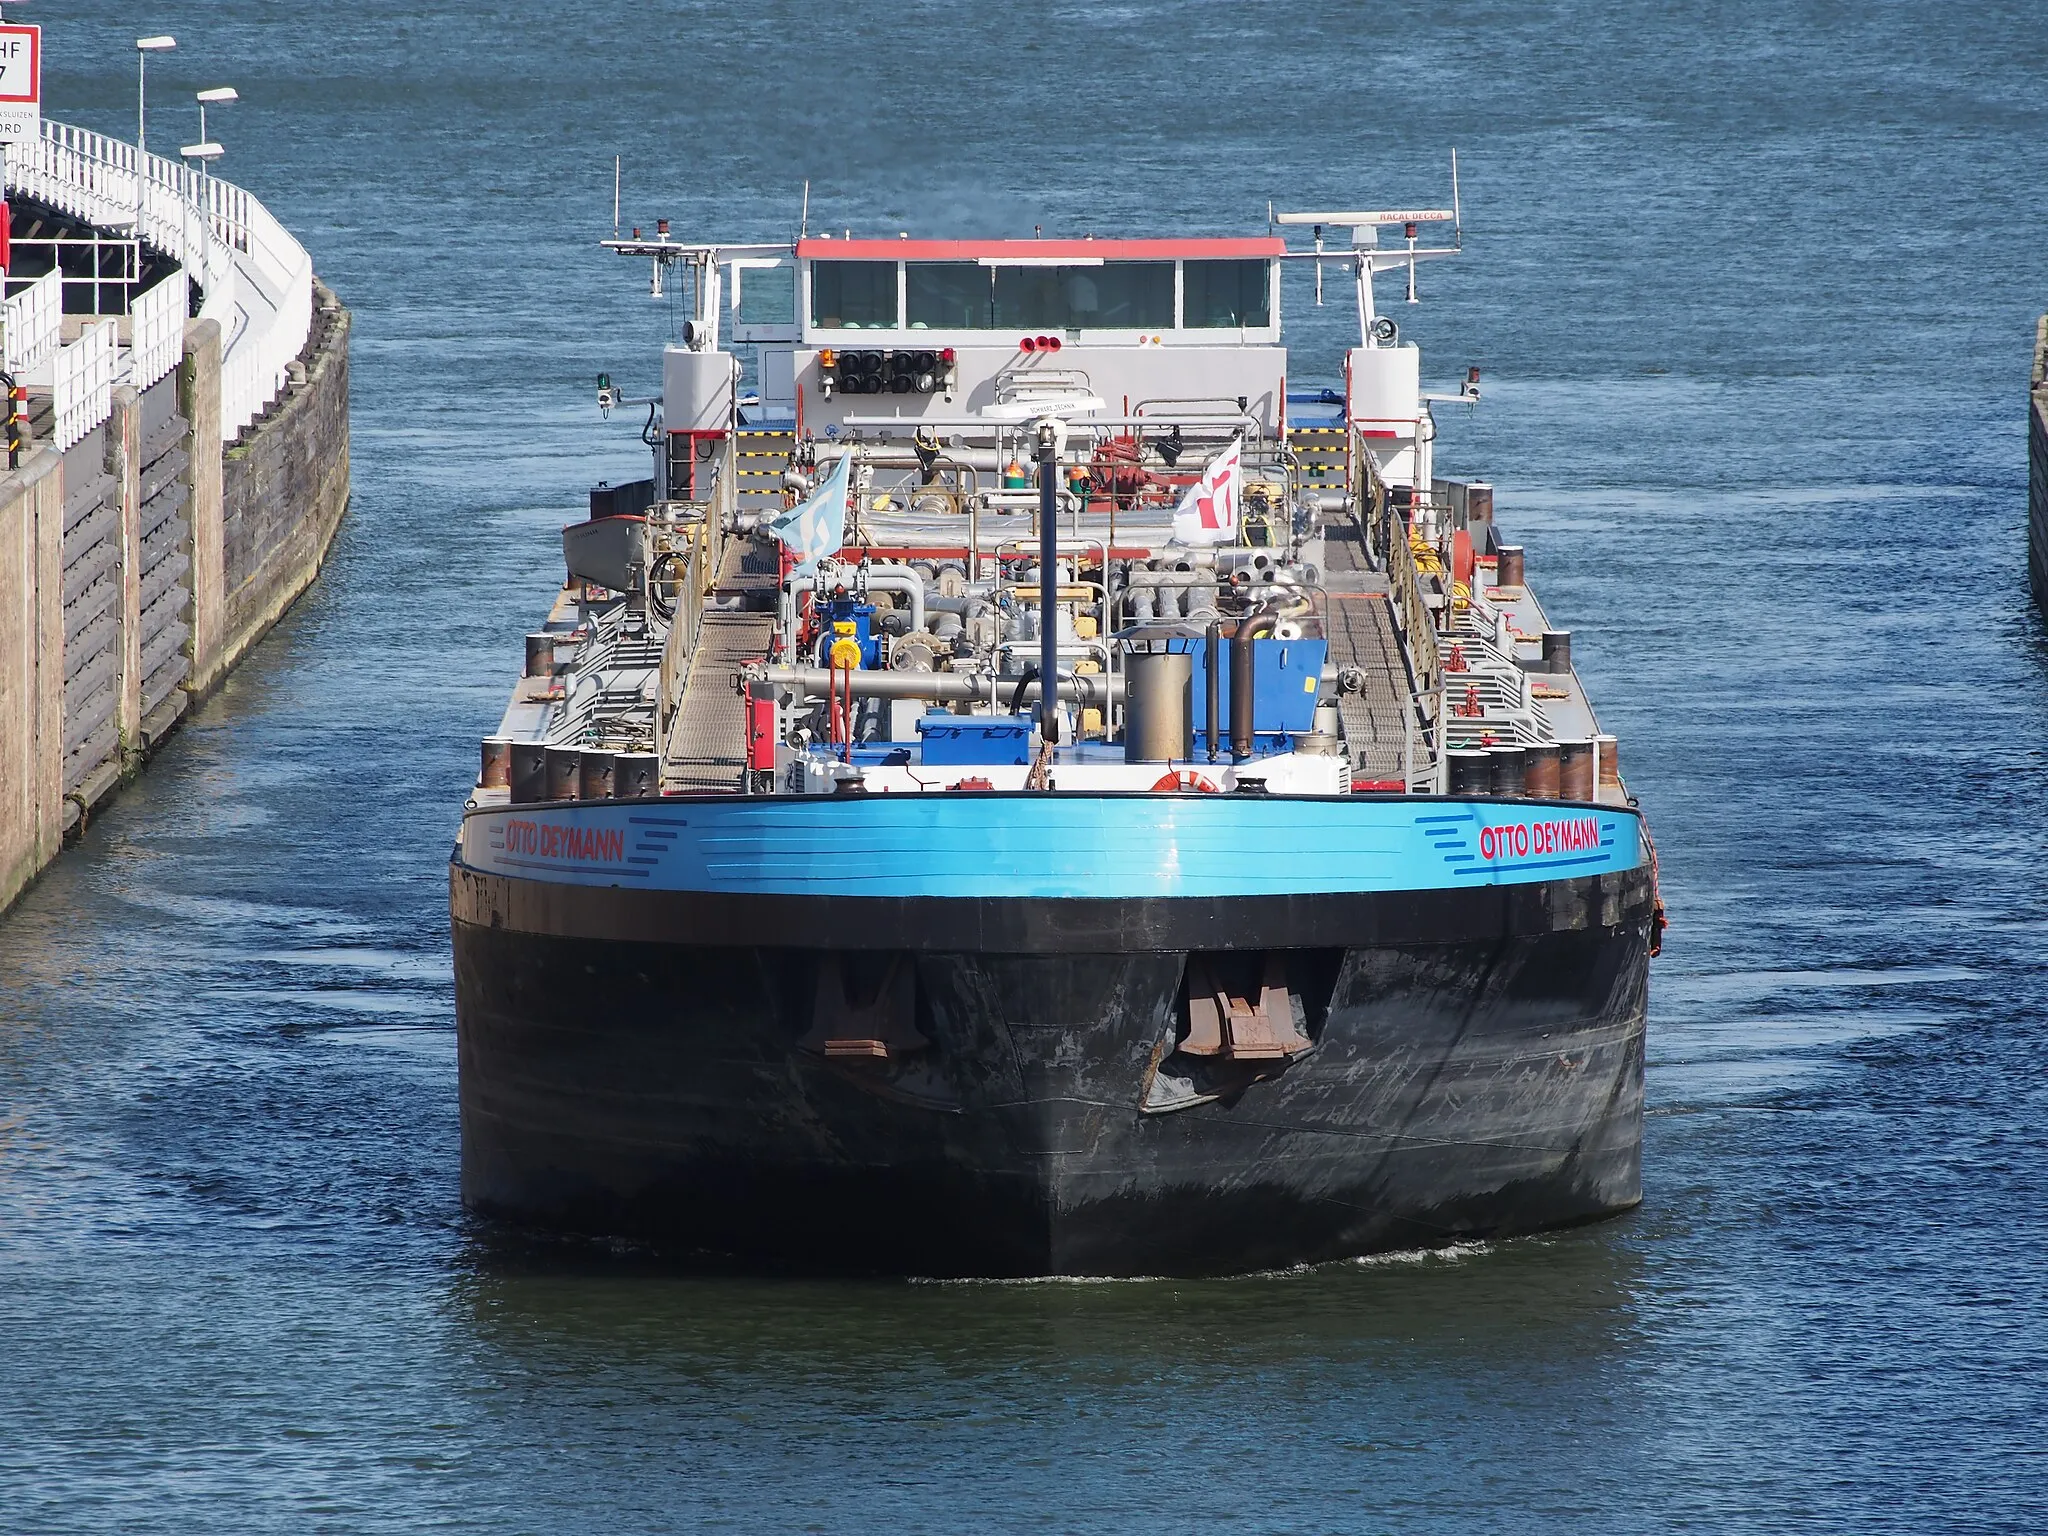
<point>1753,287</point>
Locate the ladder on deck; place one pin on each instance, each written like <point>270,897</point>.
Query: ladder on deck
<point>1324,454</point>
<point>759,456</point>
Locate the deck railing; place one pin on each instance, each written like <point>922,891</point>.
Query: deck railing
<point>33,321</point>
<point>255,279</point>
<point>87,371</point>
<point>157,334</point>
<point>1386,534</point>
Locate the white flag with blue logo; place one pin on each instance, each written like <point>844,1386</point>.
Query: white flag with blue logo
<point>816,527</point>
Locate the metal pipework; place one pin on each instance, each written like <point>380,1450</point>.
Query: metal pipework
<point>1248,629</point>
<point>1213,640</point>
<point>1092,690</point>
<point>1049,581</point>
<point>880,578</point>
<point>889,456</point>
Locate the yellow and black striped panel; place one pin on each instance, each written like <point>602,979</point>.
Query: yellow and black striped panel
<point>759,459</point>
<point>1324,452</point>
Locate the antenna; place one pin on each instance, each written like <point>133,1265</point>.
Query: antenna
<point>618,170</point>
<point>804,224</point>
<point>1457,210</point>
<point>1269,216</point>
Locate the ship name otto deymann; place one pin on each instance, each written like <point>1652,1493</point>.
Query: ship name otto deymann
<point>1020,790</point>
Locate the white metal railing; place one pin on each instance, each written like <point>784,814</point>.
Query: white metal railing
<point>256,280</point>
<point>86,374</point>
<point>33,321</point>
<point>157,330</point>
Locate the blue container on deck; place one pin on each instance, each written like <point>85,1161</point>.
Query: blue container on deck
<point>955,741</point>
<point>1286,677</point>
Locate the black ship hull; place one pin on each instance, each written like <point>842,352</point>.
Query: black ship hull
<point>639,1063</point>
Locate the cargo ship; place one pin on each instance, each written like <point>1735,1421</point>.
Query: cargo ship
<point>1020,789</point>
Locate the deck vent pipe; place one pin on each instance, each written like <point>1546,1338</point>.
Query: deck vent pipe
<point>1509,569</point>
<point>1609,760</point>
<point>635,775</point>
<point>1249,629</point>
<point>529,772</point>
<point>1212,684</point>
<point>1575,769</point>
<point>1471,771</point>
<point>1557,650</point>
<point>1540,771</point>
<point>594,775</point>
<point>1506,767</point>
<point>540,655</point>
<point>496,771</point>
<point>562,766</point>
<point>1159,694</point>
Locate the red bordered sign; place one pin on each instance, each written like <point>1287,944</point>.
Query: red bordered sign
<point>21,82</point>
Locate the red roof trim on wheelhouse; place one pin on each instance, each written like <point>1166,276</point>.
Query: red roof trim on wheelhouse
<point>818,248</point>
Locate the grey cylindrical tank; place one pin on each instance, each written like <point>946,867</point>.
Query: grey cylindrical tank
<point>563,769</point>
<point>635,775</point>
<point>594,775</point>
<point>528,773</point>
<point>1159,713</point>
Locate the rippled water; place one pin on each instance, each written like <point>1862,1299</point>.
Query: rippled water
<point>1753,287</point>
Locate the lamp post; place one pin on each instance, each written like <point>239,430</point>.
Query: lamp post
<point>219,96</point>
<point>144,47</point>
<point>205,154</point>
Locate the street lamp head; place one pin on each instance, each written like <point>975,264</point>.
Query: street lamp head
<point>154,44</point>
<point>207,151</point>
<point>219,95</point>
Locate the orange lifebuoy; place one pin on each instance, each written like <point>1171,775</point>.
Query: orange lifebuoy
<point>1182,780</point>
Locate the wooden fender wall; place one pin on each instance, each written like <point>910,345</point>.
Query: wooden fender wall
<point>136,570</point>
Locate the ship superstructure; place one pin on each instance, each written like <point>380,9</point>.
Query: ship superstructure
<point>1020,790</point>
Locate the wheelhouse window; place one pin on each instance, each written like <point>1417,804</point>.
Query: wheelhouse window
<point>949,295</point>
<point>1116,296</point>
<point>854,295</point>
<point>1128,295</point>
<point>768,296</point>
<point>1218,294</point>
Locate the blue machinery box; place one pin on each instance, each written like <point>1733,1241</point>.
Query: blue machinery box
<point>964,740</point>
<point>1286,677</point>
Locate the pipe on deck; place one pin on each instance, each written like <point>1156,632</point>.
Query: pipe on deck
<point>1088,689</point>
<point>881,578</point>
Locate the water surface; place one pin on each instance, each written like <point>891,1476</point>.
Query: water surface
<point>1753,289</point>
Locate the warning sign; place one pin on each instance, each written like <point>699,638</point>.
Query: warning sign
<point>21,83</point>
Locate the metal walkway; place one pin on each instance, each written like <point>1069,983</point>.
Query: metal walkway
<point>1359,625</point>
<point>706,745</point>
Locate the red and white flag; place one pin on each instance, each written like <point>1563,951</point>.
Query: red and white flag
<point>1207,514</point>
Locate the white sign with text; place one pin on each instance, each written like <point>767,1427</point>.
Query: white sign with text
<point>21,84</point>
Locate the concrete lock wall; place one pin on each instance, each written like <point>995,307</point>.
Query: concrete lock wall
<point>140,566</point>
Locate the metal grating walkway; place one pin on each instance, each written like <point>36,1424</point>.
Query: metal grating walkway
<point>706,746</point>
<point>1358,621</point>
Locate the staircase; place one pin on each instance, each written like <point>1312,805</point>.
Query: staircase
<point>760,455</point>
<point>1325,456</point>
